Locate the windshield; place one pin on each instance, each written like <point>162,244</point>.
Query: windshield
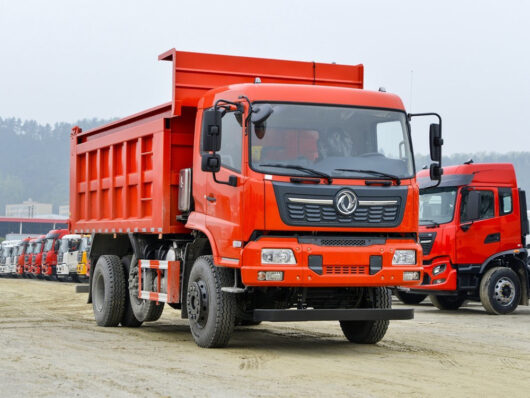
<point>48,245</point>
<point>37,248</point>
<point>64,246</point>
<point>437,206</point>
<point>20,250</point>
<point>325,139</point>
<point>85,244</point>
<point>29,249</point>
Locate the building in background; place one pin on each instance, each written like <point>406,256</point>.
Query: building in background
<point>28,209</point>
<point>64,211</point>
<point>29,226</point>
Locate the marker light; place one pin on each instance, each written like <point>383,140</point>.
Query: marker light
<point>404,257</point>
<point>277,256</point>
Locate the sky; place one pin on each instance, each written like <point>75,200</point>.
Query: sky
<point>64,60</point>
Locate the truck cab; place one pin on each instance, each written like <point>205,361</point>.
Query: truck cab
<point>67,256</point>
<point>6,258</point>
<point>83,266</point>
<point>473,229</point>
<point>22,249</point>
<point>36,261</point>
<point>51,249</point>
<point>28,257</point>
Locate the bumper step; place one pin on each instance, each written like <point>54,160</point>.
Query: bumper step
<point>354,314</point>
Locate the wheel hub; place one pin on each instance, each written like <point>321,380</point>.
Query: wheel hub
<point>197,302</point>
<point>504,291</point>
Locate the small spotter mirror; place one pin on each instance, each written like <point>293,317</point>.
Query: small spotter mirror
<point>260,113</point>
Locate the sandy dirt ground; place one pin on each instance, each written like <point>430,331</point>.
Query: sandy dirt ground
<point>50,346</point>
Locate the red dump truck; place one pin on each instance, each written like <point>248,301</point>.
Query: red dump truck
<point>473,228</point>
<point>266,190</point>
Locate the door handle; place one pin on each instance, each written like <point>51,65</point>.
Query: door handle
<point>492,238</point>
<point>210,198</point>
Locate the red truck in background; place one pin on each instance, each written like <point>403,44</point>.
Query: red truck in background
<point>473,227</point>
<point>36,258</point>
<point>266,190</point>
<point>21,256</point>
<point>50,251</point>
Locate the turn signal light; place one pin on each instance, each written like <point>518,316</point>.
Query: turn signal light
<point>270,276</point>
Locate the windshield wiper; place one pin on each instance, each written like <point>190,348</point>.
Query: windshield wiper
<point>432,223</point>
<point>301,168</point>
<point>375,173</point>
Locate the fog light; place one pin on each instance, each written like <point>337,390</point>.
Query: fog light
<point>274,275</point>
<point>404,257</point>
<point>438,269</point>
<point>438,281</point>
<point>277,256</point>
<point>411,276</point>
<point>261,275</point>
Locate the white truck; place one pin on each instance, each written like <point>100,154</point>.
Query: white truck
<point>67,257</point>
<point>7,259</point>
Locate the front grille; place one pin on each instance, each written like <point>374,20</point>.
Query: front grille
<point>365,214</point>
<point>344,270</point>
<point>343,242</point>
<point>426,242</point>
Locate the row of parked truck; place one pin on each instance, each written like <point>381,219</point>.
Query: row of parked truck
<point>272,190</point>
<point>58,255</point>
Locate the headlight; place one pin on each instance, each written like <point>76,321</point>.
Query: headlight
<point>438,269</point>
<point>277,256</point>
<point>404,257</point>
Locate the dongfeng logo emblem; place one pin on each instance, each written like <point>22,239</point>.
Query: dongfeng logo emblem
<point>346,202</point>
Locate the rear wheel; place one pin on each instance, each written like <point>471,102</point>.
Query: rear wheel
<point>143,310</point>
<point>447,303</point>
<point>128,319</point>
<point>369,332</point>
<point>211,311</point>
<point>108,291</point>
<point>409,298</point>
<point>500,291</point>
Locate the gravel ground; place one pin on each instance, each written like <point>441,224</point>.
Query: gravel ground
<point>52,347</point>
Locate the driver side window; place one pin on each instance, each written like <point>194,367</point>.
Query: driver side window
<point>486,206</point>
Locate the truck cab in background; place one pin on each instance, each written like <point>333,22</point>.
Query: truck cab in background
<point>36,260</point>
<point>50,251</point>
<point>83,266</point>
<point>473,227</point>
<point>28,257</point>
<point>67,257</point>
<point>20,260</point>
<point>6,258</point>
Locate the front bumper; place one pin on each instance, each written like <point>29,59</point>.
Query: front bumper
<point>341,266</point>
<point>443,281</point>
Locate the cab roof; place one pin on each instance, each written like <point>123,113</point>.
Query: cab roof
<point>477,174</point>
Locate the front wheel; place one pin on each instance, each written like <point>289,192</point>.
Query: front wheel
<point>500,291</point>
<point>369,332</point>
<point>409,298</point>
<point>211,311</point>
<point>447,303</point>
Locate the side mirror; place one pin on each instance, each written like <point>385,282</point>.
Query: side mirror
<point>260,113</point>
<point>471,212</point>
<point>211,162</point>
<point>436,172</point>
<point>435,142</point>
<point>211,130</point>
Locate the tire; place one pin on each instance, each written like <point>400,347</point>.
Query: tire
<point>211,312</point>
<point>143,310</point>
<point>500,291</point>
<point>108,291</point>
<point>409,298</point>
<point>369,332</point>
<point>128,319</point>
<point>447,303</point>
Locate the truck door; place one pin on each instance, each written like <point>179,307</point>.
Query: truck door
<point>478,237</point>
<point>224,202</point>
